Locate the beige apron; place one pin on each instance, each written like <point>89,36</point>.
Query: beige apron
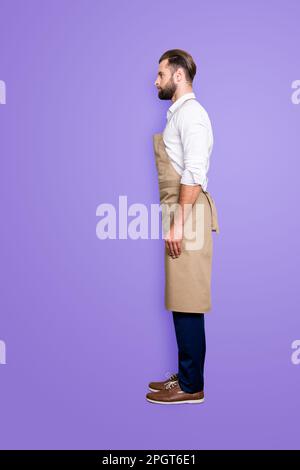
<point>188,277</point>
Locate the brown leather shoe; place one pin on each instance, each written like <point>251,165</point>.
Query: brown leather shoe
<point>156,386</point>
<point>173,394</point>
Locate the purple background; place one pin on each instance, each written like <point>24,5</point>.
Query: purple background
<point>83,319</point>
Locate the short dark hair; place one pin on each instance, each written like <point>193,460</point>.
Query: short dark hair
<point>179,58</point>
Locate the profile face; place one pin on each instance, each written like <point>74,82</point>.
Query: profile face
<point>165,81</point>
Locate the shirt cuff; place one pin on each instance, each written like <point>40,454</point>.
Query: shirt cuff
<point>190,178</point>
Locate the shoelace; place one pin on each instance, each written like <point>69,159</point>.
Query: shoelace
<point>171,384</point>
<point>173,377</point>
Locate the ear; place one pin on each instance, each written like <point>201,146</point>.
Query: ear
<point>180,75</point>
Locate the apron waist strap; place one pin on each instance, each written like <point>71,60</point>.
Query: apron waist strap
<point>214,215</point>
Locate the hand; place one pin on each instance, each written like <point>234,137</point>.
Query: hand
<point>173,244</point>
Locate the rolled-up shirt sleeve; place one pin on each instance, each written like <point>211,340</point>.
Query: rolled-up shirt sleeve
<point>194,135</point>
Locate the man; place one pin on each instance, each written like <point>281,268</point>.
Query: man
<point>182,155</point>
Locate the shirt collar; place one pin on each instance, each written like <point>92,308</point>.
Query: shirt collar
<point>179,102</point>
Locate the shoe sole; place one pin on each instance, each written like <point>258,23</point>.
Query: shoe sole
<point>201,400</point>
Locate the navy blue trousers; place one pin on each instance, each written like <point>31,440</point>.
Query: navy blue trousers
<point>190,336</point>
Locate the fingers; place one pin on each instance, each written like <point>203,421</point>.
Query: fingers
<point>174,248</point>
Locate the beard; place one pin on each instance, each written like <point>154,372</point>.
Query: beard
<point>168,91</point>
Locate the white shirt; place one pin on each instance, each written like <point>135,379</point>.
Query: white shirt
<point>188,138</point>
